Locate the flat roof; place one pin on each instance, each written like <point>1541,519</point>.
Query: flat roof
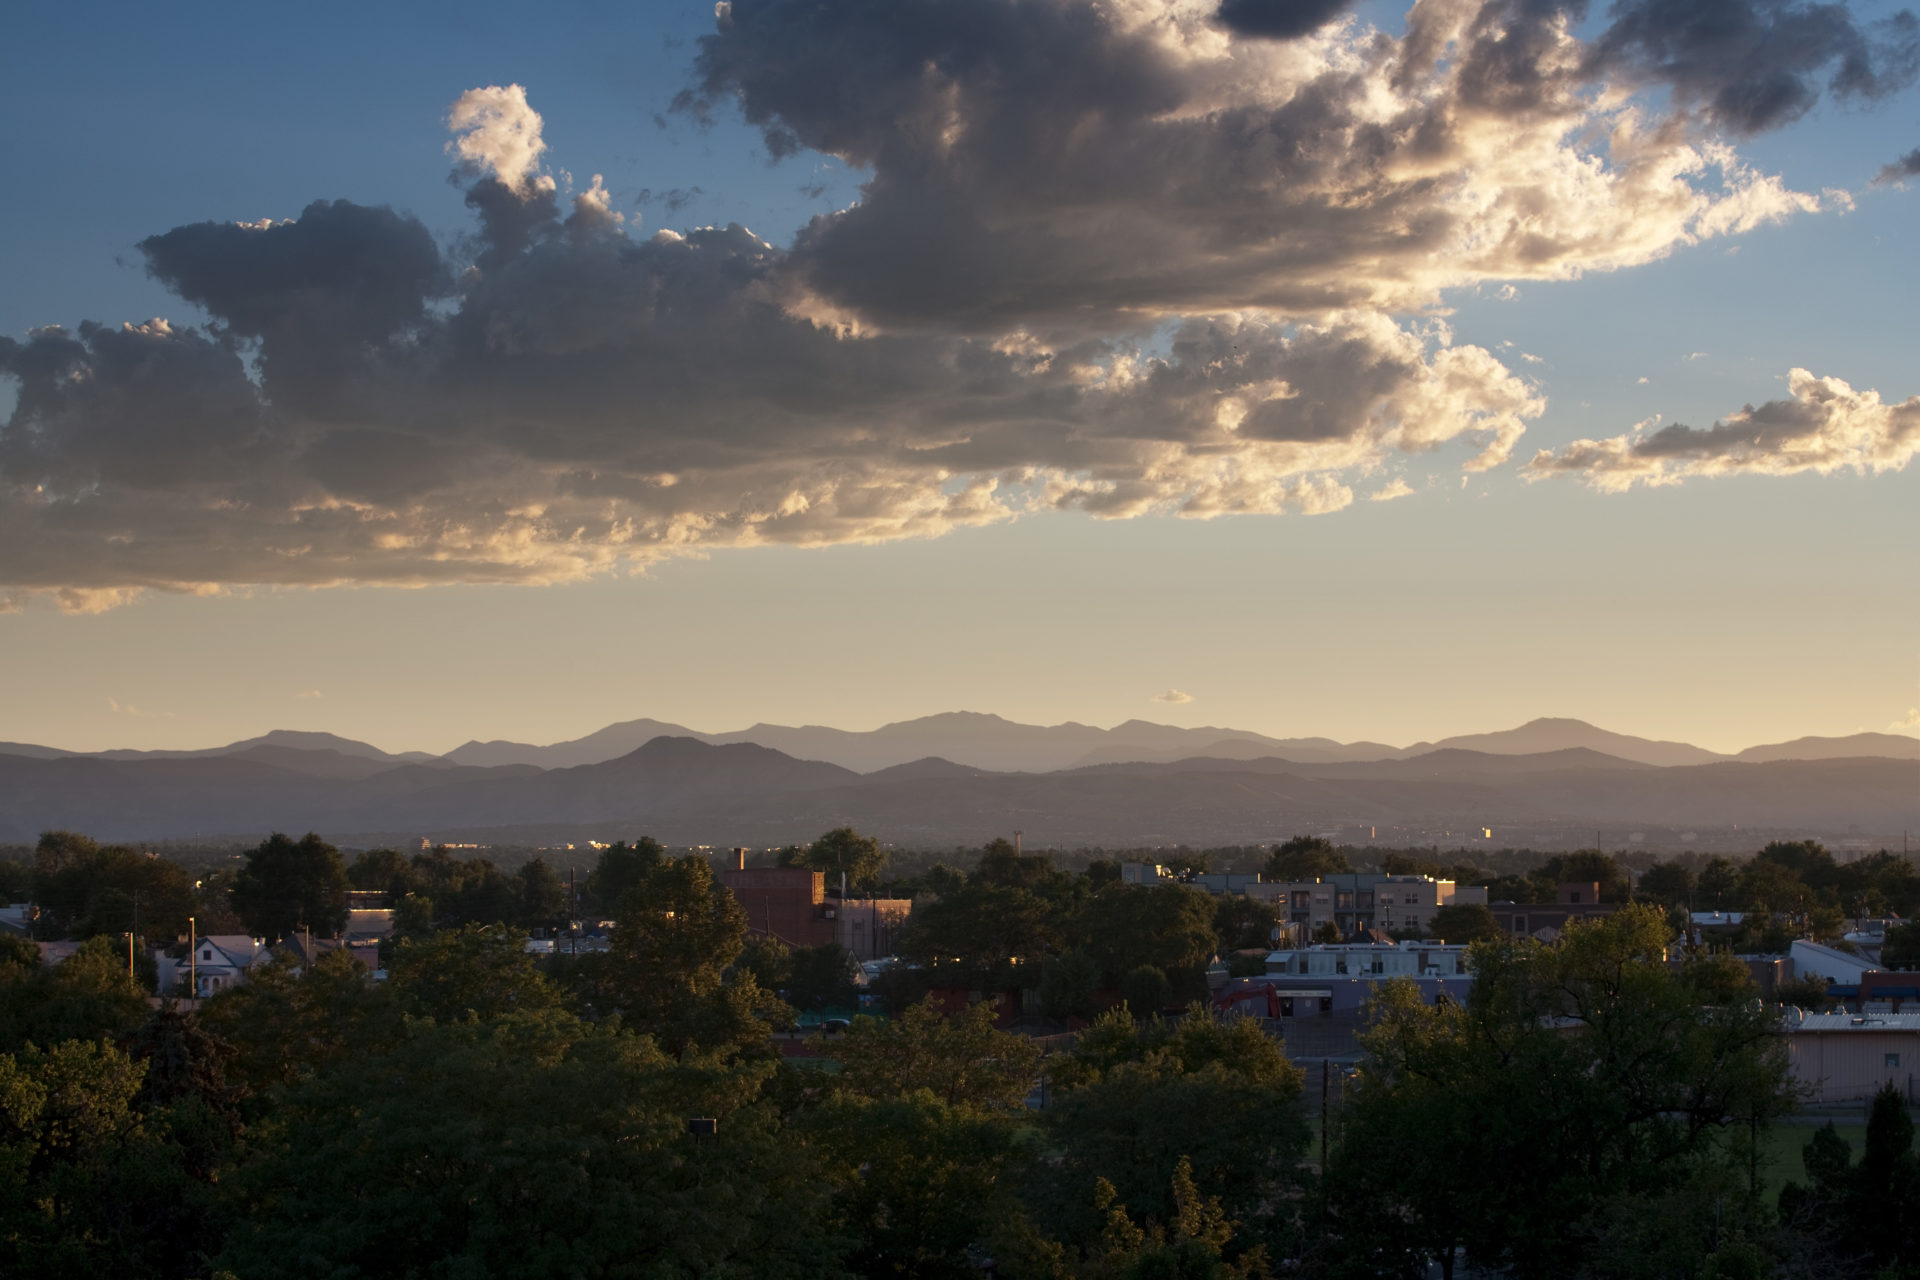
<point>1858,1022</point>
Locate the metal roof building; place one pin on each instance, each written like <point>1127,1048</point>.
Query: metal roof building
<point>1846,1056</point>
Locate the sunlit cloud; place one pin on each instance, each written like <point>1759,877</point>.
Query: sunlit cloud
<point>1252,330</point>
<point>137,713</point>
<point>1824,427</point>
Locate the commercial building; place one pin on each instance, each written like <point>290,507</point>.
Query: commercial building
<point>1844,1057</point>
<point>788,904</point>
<point>792,905</point>
<point>1360,901</point>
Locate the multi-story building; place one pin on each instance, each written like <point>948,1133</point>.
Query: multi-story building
<point>1354,903</point>
<point>788,904</point>
<point>869,928</point>
<point>1577,900</point>
<point>1371,960</point>
<point>792,905</point>
<point>1405,904</point>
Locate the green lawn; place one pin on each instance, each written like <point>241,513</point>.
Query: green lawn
<point>1780,1148</point>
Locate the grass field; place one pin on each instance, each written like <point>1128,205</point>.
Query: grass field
<point>1780,1148</point>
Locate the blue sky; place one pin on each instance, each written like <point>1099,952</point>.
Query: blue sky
<point>1753,602</point>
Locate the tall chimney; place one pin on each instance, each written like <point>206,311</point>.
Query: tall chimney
<point>740,859</point>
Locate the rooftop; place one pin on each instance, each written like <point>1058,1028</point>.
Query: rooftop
<point>1858,1022</point>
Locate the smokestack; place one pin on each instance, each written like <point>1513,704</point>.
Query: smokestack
<point>740,859</point>
<point>1016,842</point>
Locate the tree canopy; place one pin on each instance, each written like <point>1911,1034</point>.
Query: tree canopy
<point>288,885</point>
<point>840,852</point>
<point>1305,858</point>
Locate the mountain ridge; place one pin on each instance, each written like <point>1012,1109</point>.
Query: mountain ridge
<point>992,743</point>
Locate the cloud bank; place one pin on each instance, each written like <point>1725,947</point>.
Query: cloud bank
<point>1121,258</point>
<point>1824,426</point>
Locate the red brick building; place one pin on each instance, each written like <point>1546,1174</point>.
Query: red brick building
<point>787,903</point>
<point>1578,901</point>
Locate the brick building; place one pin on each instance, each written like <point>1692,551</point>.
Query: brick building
<point>786,903</point>
<point>1576,900</point>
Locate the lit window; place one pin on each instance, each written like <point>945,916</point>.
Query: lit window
<point>1893,1062</point>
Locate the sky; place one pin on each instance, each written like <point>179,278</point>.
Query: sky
<point>425,373</point>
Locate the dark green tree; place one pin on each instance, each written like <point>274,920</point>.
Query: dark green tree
<point>1872,1207</point>
<point>83,889</point>
<point>1587,866</point>
<point>288,885</point>
<point>1145,991</point>
<point>474,971</point>
<point>73,1157</point>
<point>676,936</point>
<point>840,852</point>
<point>1719,884</point>
<point>1900,948</point>
<point>1135,1099</point>
<point>530,1145</point>
<point>1463,922</point>
<point>89,996</point>
<point>1166,926</point>
<point>1668,883</point>
<point>623,868</point>
<point>821,977</point>
<point>544,903</point>
<point>960,1059</point>
<point>284,1024</point>
<point>919,1135</point>
<point>1305,858</point>
<point>382,871</point>
<point>1242,922</point>
<point>1068,984</point>
<point>1637,1067</point>
<point>979,935</point>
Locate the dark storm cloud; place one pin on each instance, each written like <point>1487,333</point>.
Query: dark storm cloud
<point>1071,166</point>
<point>592,400</point>
<point>1907,166</point>
<point>323,294</point>
<point>1279,19</point>
<point>1754,65</point>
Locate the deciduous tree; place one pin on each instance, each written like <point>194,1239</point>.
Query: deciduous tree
<point>288,885</point>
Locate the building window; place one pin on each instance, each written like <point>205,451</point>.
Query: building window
<point>1893,1062</point>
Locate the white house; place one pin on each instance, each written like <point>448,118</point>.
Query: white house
<point>222,959</point>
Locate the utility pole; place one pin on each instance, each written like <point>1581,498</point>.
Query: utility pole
<point>573,911</point>
<point>193,961</point>
<point>1326,1073</point>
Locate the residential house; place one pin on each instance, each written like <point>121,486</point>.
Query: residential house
<point>222,959</point>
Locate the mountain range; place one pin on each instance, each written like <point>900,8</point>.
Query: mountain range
<point>961,778</point>
<point>991,742</point>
